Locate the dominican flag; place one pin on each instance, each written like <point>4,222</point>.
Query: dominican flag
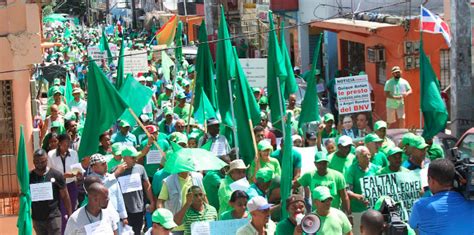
<point>432,23</point>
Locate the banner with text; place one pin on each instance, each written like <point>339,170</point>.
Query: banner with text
<point>255,71</point>
<point>95,53</point>
<point>401,187</point>
<point>218,227</point>
<point>135,62</point>
<point>353,94</point>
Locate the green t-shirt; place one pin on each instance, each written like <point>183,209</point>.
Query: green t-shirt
<point>332,134</point>
<point>208,214</point>
<point>386,170</point>
<point>336,222</point>
<point>228,216</point>
<point>62,108</point>
<point>272,164</point>
<point>380,159</point>
<point>285,227</point>
<point>112,163</point>
<point>396,87</point>
<point>162,97</point>
<point>224,194</point>
<point>353,176</point>
<point>157,181</point>
<point>340,163</point>
<point>334,180</point>
<point>183,112</point>
<point>296,156</point>
<point>211,182</point>
<point>151,168</point>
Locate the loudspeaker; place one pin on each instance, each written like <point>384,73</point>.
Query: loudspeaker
<point>310,223</point>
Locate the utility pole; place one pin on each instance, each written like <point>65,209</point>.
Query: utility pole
<point>211,15</point>
<point>134,15</point>
<point>462,86</point>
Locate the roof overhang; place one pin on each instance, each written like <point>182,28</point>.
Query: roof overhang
<point>355,26</point>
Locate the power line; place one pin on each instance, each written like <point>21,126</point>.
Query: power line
<point>218,40</point>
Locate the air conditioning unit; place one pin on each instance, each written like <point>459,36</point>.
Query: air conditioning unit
<point>376,54</point>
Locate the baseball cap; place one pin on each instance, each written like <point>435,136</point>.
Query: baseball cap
<point>178,137</point>
<point>57,90</point>
<point>321,193</point>
<point>380,124</point>
<point>149,79</point>
<point>296,137</point>
<point>344,140</point>
<point>256,89</point>
<point>190,68</point>
<point>328,117</point>
<point>293,199</point>
<point>141,79</point>
<point>321,157</point>
<point>264,145</point>
<point>395,69</point>
<point>212,121</point>
<point>311,136</point>
<point>124,123</point>
<point>369,138</point>
<point>296,68</point>
<point>151,129</point>
<point>263,100</point>
<point>181,96</point>
<point>168,111</point>
<point>169,87</point>
<point>263,116</point>
<point>97,158</point>
<point>185,83</point>
<point>407,138</point>
<point>164,217</point>
<point>57,81</point>
<point>393,151</point>
<point>418,142</point>
<point>264,173</point>
<point>236,164</point>
<point>117,149</point>
<point>129,151</point>
<point>76,90</point>
<point>258,203</point>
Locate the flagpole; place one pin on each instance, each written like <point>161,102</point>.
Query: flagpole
<point>145,130</point>
<point>281,107</point>
<point>421,48</point>
<point>190,107</point>
<point>236,141</point>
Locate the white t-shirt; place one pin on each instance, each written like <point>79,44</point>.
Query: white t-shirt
<point>82,221</point>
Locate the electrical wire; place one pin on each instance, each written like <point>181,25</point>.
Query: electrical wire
<point>276,29</point>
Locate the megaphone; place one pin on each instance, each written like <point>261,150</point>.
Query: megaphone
<point>310,223</point>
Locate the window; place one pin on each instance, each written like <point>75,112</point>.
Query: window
<point>381,76</point>
<point>444,74</point>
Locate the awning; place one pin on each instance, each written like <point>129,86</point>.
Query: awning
<point>348,25</point>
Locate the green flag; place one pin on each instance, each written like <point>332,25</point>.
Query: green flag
<point>104,46</point>
<point>289,85</point>
<point>205,70</point>
<point>104,107</point>
<point>310,104</point>
<point>178,51</point>
<point>67,32</point>
<point>136,96</point>
<point>433,107</point>
<point>247,110</point>
<point>225,71</point>
<point>166,63</point>
<point>287,166</point>
<point>24,222</point>
<point>275,71</point>
<point>68,90</point>
<point>203,108</point>
<point>120,77</point>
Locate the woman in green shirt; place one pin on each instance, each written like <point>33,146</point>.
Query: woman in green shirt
<point>238,201</point>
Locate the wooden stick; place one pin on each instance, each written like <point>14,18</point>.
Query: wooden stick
<point>145,130</point>
<point>257,163</point>
<point>191,107</point>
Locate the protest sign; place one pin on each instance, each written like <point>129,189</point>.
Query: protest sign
<point>353,94</point>
<point>135,62</point>
<point>256,71</point>
<point>95,53</point>
<point>218,227</point>
<point>401,187</point>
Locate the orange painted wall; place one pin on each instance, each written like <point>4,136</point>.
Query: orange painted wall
<point>392,39</point>
<point>191,21</point>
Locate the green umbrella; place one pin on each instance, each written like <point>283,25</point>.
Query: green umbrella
<point>54,18</point>
<point>192,159</point>
<point>24,222</point>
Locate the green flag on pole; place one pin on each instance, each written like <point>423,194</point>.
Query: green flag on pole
<point>120,76</point>
<point>136,96</point>
<point>276,74</point>
<point>104,107</point>
<point>24,222</point>
<point>310,104</point>
<point>247,114</point>
<point>203,108</point>
<point>289,85</point>
<point>178,51</point>
<point>104,46</point>
<point>68,90</point>
<point>205,70</point>
<point>434,110</point>
<point>166,63</point>
<point>287,166</point>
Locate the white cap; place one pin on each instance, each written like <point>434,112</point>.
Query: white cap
<point>258,203</point>
<point>296,137</point>
<point>344,140</point>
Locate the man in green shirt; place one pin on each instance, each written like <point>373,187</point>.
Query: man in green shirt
<point>296,158</point>
<point>360,169</point>
<point>212,182</point>
<point>296,210</point>
<point>333,221</point>
<point>166,95</point>
<point>58,100</point>
<point>237,170</point>
<point>396,89</point>
<point>150,155</point>
<point>104,147</point>
<point>323,176</point>
<point>373,142</point>
<point>380,128</point>
<point>395,162</point>
<point>116,157</point>
<point>342,158</point>
<point>183,109</point>
<point>328,131</point>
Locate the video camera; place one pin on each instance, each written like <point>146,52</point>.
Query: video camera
<point>464,178</point>
<point>391,215</point>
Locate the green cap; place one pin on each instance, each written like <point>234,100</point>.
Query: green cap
<point>380,124</point>
<point>57,81</point>
<point>393,151</point>
<point>55,124</point>
<point>164,217</point>
<point>57,90</point>
<point>70,116</point>
<point>168,111</point>
<point>129,151</point>
<point>317,72</point>
<point>407,138</point>
<point>263,116</point>
<point>328,117</point>
<point>256,89</point>
<point>117,148</point>
<point>264,145</point>
<point>321,157</point>
<point>321,193</point>
<point>193,135</point>
<point>178,137</point>
<point>418,142</point>
<point>264,173</point>
<point>263,100</point>
<point>124,123</point>
<point>372,137</point>
<point>181,96</point>
<point>169,87</point>
<point>185,82</point>
<point>190,68</point>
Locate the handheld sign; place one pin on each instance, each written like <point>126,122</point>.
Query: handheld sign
<point>353,94</point>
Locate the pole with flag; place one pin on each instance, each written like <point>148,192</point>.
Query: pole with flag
<point>166,34</point>
<point>24,222</point>
<point>104,46</point>
<point>287,166</point>
<point>120,64</point>
<point>68,91</point>
<point>290,86</point>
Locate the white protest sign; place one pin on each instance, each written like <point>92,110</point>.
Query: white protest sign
<point>401,187</point>
<point>307,158</point>
<point>353,94</point>
<point>153,157</point>
<point>41,191</point>
<point>218,227</point>
<point>99,227</point>
<point>255,70</point>
<point>242,184</point>
<point>200,228</point>
<point>135,62</point>
<point>130,183</point>
<point>95,53</point>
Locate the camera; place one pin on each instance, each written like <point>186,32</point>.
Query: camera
<point>391,214</point>
<point>464,178</point>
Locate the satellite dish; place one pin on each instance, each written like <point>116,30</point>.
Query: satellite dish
<point>310,223</point>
